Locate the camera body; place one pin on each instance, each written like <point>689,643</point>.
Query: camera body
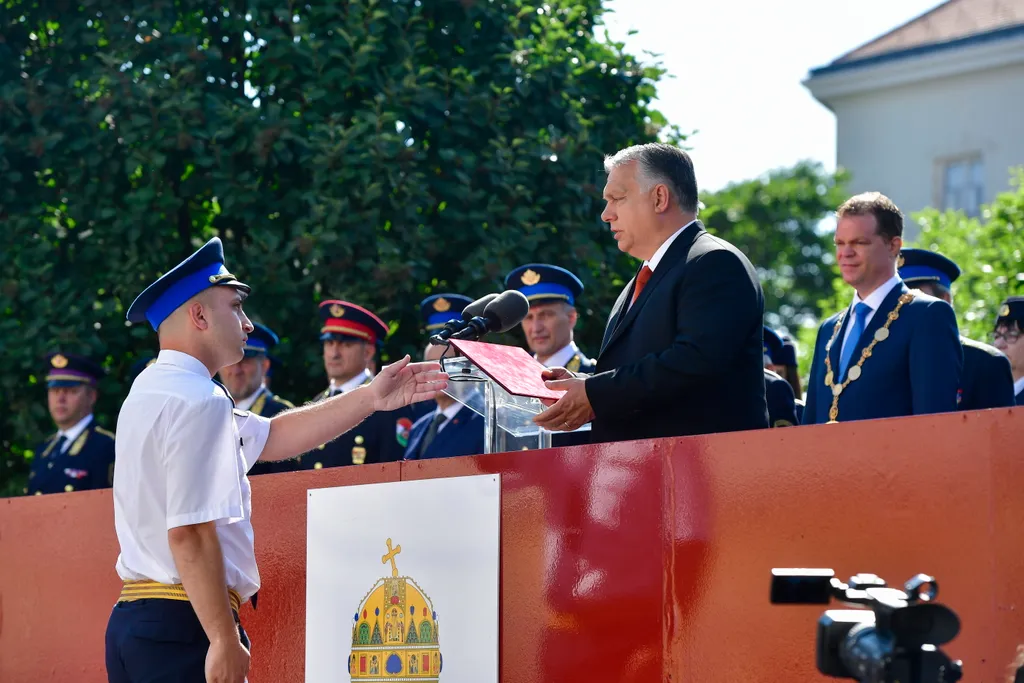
<point>897,639</point>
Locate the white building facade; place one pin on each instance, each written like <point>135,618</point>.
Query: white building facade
<point>928,116</point>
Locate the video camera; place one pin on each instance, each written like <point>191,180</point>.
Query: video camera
<point>896,641</point>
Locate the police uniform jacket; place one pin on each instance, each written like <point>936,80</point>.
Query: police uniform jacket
<point>914,367</point>
<point>268,404</point>
<point>781,401</point>
<point>86,463</point>
<point>988,379</point>
<point>460,434</point>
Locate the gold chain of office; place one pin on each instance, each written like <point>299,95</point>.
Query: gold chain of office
<point>853,374</point>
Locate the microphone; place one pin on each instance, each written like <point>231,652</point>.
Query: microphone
<point>501,315</point>
<point>468,313</point>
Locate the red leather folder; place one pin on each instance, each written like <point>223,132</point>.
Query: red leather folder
<point>511,367</point>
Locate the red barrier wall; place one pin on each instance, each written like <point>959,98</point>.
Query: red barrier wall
<point>620,562</point>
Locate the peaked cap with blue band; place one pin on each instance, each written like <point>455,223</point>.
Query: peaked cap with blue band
<point>921,265</point>
<point>441,308</point>
<point>70,370</point>
<point>541,283</point>
<point>200,271</point>
<point>260,341</point>
<point>788,356</point>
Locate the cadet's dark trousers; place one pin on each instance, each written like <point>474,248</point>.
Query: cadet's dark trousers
<point>157,641</point>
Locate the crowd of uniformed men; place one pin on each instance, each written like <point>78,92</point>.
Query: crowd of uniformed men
<point>80,455</point>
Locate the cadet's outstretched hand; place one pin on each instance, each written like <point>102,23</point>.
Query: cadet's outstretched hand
<point>403,382</point>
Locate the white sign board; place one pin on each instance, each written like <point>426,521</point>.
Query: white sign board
<point>402,581</point>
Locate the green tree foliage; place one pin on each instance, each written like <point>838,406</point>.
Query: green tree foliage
<point>989,251</point>
<point>776,221</point>
<point>397,149</point>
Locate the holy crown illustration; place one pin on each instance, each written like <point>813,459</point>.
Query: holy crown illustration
<point>395,632</point>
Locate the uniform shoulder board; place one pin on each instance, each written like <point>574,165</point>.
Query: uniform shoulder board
<point>104,432</point>
<point>981,346</point>
<point>283,401</point>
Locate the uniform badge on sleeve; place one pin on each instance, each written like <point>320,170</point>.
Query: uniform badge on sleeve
<point>403,427</point>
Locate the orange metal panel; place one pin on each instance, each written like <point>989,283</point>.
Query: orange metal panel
<point>620,562</point>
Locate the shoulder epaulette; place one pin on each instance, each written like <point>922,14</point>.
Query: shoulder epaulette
<point>104,432</point>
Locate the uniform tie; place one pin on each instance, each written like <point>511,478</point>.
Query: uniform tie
<point>860,312</point>
<point>58,447</point>
<point>641,281</point>
<point>428,438</point>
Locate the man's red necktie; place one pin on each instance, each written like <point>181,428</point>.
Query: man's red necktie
<point>641,281</point>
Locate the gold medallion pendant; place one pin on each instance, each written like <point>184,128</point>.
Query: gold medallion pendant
<point>855,371</point>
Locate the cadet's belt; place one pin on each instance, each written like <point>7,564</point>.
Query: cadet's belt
<point>145,590</point>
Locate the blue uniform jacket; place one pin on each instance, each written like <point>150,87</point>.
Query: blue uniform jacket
<point>462,435</point>
<point>988,379</point>
<point>915,370</point>
<point>88,463</point>
<point>781,401</point>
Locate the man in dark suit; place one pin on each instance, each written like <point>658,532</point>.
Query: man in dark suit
<point>80,456</point>
<point>682,352</point>
<point>782,410</point>
<point>891,352</point>
<point>987,381</point>
<point>1007,338</point>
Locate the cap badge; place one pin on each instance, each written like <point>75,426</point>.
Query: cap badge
<point>530,278</point>
<point>337,310</point>
<point>442,305</point>
<point>59,361</point>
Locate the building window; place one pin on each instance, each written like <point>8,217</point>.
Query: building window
<point>963,185</point>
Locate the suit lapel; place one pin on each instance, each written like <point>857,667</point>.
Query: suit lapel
<point>877,320</point>
<point>676,254</point>
<point>613,319</point>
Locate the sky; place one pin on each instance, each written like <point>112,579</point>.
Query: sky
<point>737,68</point>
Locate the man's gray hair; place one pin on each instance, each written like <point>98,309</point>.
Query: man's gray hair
<point>661,164</point>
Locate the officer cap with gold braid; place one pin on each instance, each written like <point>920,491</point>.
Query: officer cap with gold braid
<point>1011,311</point>
<point>260,341</point>
<point>343,321</point>
<point>200,271</point>
<point>71,370</point>
<point>921,266</point>
<point>441,308</point>
<point>544,283</point>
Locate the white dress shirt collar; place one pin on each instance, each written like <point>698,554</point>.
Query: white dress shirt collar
<point>184,361</point>
<point>875,298</point>
<point>663,249</point>
<point>74,432</point>
<point>1018,386</point>
<point>351,384</point>
<point>246,403</point>
<point>560,358</point>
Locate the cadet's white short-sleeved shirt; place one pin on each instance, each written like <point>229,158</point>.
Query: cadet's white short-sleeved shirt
<point>182,454</point>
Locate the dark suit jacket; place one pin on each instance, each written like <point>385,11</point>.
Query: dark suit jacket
<point>462,435</point>
<point>781,401</point>
<point>988,379</point>
<point>88,463</point>
<point>687,357</point>
<point>915,371</point>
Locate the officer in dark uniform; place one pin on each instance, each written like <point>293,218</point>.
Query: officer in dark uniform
<point>986,381</point>
<point>80,456</point>
<point>778,393</point>
<point>552,292</point>
<point>1008,339</point>
<point>246,382</point>
<point>447,428</point>
<point>350,334</point>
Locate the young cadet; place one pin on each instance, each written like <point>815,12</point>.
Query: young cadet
<point>181,495</point>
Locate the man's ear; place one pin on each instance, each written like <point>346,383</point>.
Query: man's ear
<point>573,317</point>
<point>662,198</point>
<point>197,315</point>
